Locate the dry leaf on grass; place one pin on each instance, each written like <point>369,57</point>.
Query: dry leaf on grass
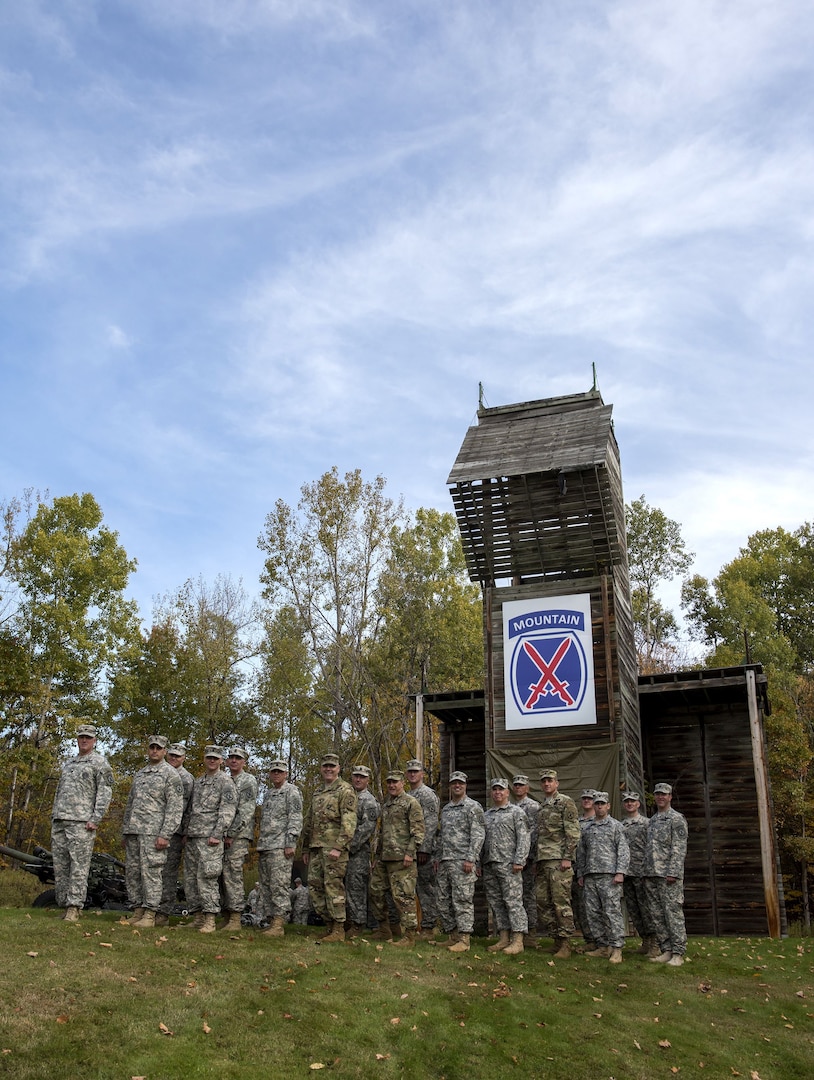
<point>665,1044</point>
<point>32,954</point>
<point>62,1019</point>
<point>395,1020</point>
<point>206,1028</point>
<point>165,1030</point>
<point>317,1065</point>
<point>382,1057</point>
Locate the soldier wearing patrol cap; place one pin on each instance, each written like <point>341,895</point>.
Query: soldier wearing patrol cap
<point>663,872</point>
<point>586,816</point>
<point>430,807</point>
<point>152,815</point>
<point>557,839</point>
<point>635,827</point>
<point>280,830</point>
<point>460,840</point>
<point>238,837</point>
<point>212,810</point>
<point>329,827</point>
<point>176,755</point>
<point>531,808</point>
<point>504,855</point>
<point>602,862</point>
<point>394,867</point>
<point>357,875</point>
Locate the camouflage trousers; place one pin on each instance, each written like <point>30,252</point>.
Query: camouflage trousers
<point>326,884</point>
<point>578,908</point>
<point>530,894</point>
<point>274,880</point>
<point>401,881</point>
<point>504,895</point>
<point>636,903</point>
<point>232,888</point>
<point>202,866</point>
<point>425,891</point>
<point>554,914</point>
<point>169,875</point>
<point>665,905</point>
<point>357,879</point>
<point>603,910</point>
<point>72,846</point>
<point>455,896</point>
<point>143,872</point>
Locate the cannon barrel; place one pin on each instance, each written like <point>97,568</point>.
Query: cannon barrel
<point>22,856</point>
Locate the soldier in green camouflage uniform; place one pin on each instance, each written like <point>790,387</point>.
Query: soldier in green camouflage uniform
<point>635,826</point>
<point>531,808</point>
<point>357,875</point>
<point>395,867</point>
<point>83,795</point>
<point>329,828</point>
<point>663,872</point>
<point>176,754</point>
<point>458,848</point>
<point>153,813</point>
<point>213,804</point>
<point>602,861</point>
<point>280,829</point>
<point>431,808</point>
<point>238,838</point>
<point>557,839</point>
<point>503,857</point>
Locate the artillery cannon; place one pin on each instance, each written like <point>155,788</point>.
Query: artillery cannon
<point>106,884</point>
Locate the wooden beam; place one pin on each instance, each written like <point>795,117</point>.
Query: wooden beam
<point>768,855</point>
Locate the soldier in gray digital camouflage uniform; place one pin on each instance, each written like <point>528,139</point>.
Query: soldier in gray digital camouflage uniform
<point>531,808</point>
<point>635,826</point>
<point>329,827</point>
<point>83,795</point>
<point>212,809</point>
<point>586,815</point>
<point>395,867</point>
<point>426,884</point>
<point>357,875</point>
<point>663,872</point>
<point>176,754</point>
<point>460,839</point>
<point>300,903</point>
<point>602,861</point>
<point>557,839</point>
<point>238,838</point>
<point>152,815</point>
<point>504,854</point>
<point>280,830</point>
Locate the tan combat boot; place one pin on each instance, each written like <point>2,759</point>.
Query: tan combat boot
<point>676,960</point>
<point>146,922</point>
<point>337,934</point>
<point>134,918</point>
<point>501,943</point>
<point>208,925</point>
<point>615,956</point>
<point>564,951</point>
<point>382,933</point>
<point>407,940</point>
<point>516,945</point>
<point>161,919</point>
<point>662,958</point>
<point>461,945</point>
<point>654,949</point>
<point>600,950</point>
<point>277,928</point>
<point>355,930</point>
<point>197,920</point>
<point>233,922</point>
<point>71,914</point>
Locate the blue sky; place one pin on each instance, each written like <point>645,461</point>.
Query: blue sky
<point>242,242</point>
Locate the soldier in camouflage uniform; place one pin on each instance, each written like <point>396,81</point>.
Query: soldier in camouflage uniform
<point>531,808</point>
<point>152,815</point>
<point>280,829</point>
<point>329,828</point>
<point>238,838</point>
<point>663,872</point>
<point>503,857</point>
<point>212,809</point>
<point>176,754</point>
<point>557,839</point>
<point>458,848</point>
<point>602,861</point>
<point>357,875</point>
<point>635,826</point>
<point>586,816</point>
<point>83,795</point>
<point>300,903</point>
<point>395,868</point>
<point>426,885</point>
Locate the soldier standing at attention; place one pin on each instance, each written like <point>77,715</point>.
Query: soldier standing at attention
<point>504,855</point>
<point>152,815</point>
<point>176,754</point>
<point>239,836</point>
<point>329,828</point>
<point>586,816</point>
<point>557,839</point>
<point>395,866</point>
<point>280,829</point>
<point>430,807</point>
<point>213,804</point>
<point>602,861</point>
<point>357,875</point>
<point>83,795</point>
<point>663,873</point>
<point>460,840</point>
<point>531,808</point>
<point>635,826</point>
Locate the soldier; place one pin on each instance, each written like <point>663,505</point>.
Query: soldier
<point>152,816</point>
<point>300,903</point>
<point>430,807</point>
<point>81,801</point>
<point>663,872</point>
<point>357,875</point>
<point>395,868</point>
<point>586,816</point>
<point>176,755</point>
<point>505,851</point>
<point>635,826</point>
<point>531,808</point>
<point>459,844</point>
<point>329,828</point>
<point>557,839</point>
<point>238,837</point>
<point>212,809</point>
<point>602,861</point>
<point>280,829</point>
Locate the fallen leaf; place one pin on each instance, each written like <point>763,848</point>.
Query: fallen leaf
<point>165,1030</point>
<point>637,1044</point>
<point>665,1044</point>
<point>395,1020</point>
<point>382,1057</point>
<point>206,1028</point>
<point>32,954</point>
<point>316,1065</point>
<point>106,944</point>
<point>62,1019</point>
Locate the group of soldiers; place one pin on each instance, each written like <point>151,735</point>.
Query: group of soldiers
<point>373,866</point>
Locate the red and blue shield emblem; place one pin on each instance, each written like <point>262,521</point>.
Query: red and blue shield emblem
<point>548,669</point>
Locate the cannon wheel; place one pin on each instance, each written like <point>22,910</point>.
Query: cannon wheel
<point>46,899</point>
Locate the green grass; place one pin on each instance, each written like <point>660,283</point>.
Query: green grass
<point>92,1000</point>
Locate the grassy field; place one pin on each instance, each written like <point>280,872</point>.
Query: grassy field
<point>99,999</point>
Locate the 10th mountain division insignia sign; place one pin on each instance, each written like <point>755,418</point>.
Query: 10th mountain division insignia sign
<point>548,661</point>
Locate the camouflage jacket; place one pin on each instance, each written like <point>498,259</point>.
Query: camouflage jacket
<point>213,804</point>
<point>462,831</point>
<point>242,826</point>
<point>187,780</point>
<point>430,808</point>
<point>508,837</point>
<point>155,804</point>
<point>636,836</point>
<point>331,819</point>
<point>281,820</point>
<point>602,848</point>
<point>368,813</point>
<point>558,828</point>
<point>402,828</point>
<point>85,789</point>
<point>531,808</point>
<point>666,845</point>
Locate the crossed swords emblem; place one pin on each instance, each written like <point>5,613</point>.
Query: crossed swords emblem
<point>548,674</point>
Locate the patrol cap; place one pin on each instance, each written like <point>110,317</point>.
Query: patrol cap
<point>548,774</point>
<point>589,793</point>
<point>330,759</point>
<point>88,730</point>
<point>601,797</point>
<point>278,765</point>
<point>500,781</point>
<point>520,779</point>
<point>237,751</point>
<point>158,740</point>
<point>458,776</point>
<point>178,749</point>
<point>662,789</point>
<point>414,764</point>
<point>631,795</point>
<point>395,774</point>
<point>361,770</point>
<point>213,751</point>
